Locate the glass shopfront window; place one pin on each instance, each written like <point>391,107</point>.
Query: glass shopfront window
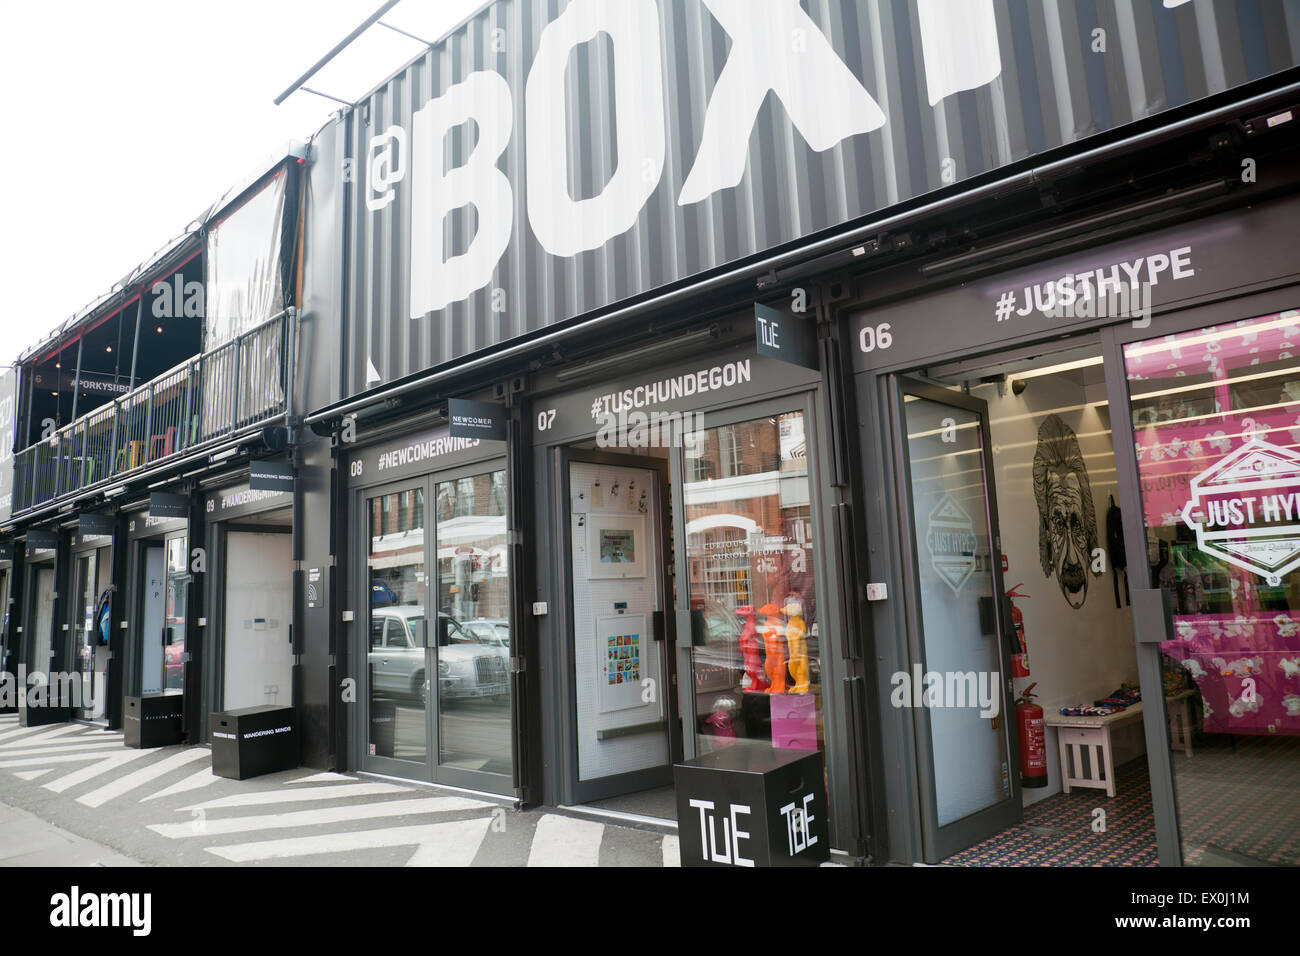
<point>1216,419</point>
<point>473,624</point>
<point>178,579</point>
<point>398,680</point>
<point>755,653</point>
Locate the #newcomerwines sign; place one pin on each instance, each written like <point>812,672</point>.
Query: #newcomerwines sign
<point>550,159</point>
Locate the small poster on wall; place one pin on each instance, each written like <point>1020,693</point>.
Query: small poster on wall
<point>621,643</point>
<point>616,546</point>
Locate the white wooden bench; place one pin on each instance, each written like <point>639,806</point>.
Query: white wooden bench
<point>1075,735</point>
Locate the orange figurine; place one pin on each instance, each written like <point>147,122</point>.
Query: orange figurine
<point>774,648</point>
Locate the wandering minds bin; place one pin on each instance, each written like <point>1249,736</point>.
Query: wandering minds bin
<point>251,741</point>
<point>746,806</point>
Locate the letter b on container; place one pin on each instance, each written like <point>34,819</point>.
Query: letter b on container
<point>436,282</point>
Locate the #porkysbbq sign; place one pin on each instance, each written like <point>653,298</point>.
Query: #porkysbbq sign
<point>1245,509</point>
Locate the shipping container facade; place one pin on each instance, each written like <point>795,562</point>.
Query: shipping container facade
<point>617,149</point>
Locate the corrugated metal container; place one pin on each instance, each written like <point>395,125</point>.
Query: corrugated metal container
<point>962,88</point>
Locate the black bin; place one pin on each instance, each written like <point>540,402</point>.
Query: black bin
<point>250,741</point>
<point>153,721</point>
<point>752,806</point>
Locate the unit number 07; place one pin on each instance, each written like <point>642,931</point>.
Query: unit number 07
<point>545,419</point>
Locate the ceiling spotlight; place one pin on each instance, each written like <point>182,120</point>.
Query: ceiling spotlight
<point>1018,386</point>
<point>108,348</point>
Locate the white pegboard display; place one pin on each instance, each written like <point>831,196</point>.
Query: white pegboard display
<point>614,527</point>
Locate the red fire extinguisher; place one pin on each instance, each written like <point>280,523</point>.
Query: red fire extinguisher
<point>1020,659</point>
<point>1033,745</point>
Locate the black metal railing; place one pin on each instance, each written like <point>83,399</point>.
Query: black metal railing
<point>236,385</point>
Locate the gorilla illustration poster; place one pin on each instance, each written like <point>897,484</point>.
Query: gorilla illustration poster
<point>1067,520</point>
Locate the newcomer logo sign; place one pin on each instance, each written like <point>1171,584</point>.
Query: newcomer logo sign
<point>1245,509</point>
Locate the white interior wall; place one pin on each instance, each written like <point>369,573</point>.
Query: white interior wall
<point>258,666</point>
<point>1075,656</point>
<point>151,622</point>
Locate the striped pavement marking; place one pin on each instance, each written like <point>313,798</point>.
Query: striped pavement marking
<point>672,850</point>
<point>327,777</point>
<point>60,758</point>
<point>62,748</point>
<point>31,774</point>
<point>41,733</point>
<point>566,841</point>
<point>138,778</point>
<point>296,794</point>
<point>56,743</point>
<point>193,782</point>
<point>317,817</point>
<point>106,764</point>
<point>437,844</point>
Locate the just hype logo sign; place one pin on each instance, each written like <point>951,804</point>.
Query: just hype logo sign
<point>1245,509</point>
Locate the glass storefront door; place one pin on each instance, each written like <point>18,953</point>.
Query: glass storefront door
<point>1215,416</point>
<point>960,667</point>
<point>398,659</point>
<point>81,625</point>
<point>173,637</point>
<point>40,636</point>
<point>438,696</point>
<point>472,652</point>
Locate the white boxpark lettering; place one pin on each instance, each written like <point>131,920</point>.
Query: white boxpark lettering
<point>437,281</point>
<point>823,99</point>
<point>563,226</point>
<point>776,48</point>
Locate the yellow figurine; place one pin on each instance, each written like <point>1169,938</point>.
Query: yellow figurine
<point>796,642</point>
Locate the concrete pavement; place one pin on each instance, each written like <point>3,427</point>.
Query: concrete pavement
<point>73,795</point>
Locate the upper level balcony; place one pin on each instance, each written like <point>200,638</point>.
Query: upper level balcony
<point>235,387</point>
<point>186,354</point>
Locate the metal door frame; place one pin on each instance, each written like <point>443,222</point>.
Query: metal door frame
<point>392,766</point>
<point>574,790</point>
<point>75,623</point>
<point>483,780</point>
<point>434,772</point>
<point>1151,621</point>
<point>939,842</point>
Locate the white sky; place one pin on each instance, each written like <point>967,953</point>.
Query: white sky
<point>125,119</point>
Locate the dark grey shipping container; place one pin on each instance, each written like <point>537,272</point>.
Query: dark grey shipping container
<point>959,94</point>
